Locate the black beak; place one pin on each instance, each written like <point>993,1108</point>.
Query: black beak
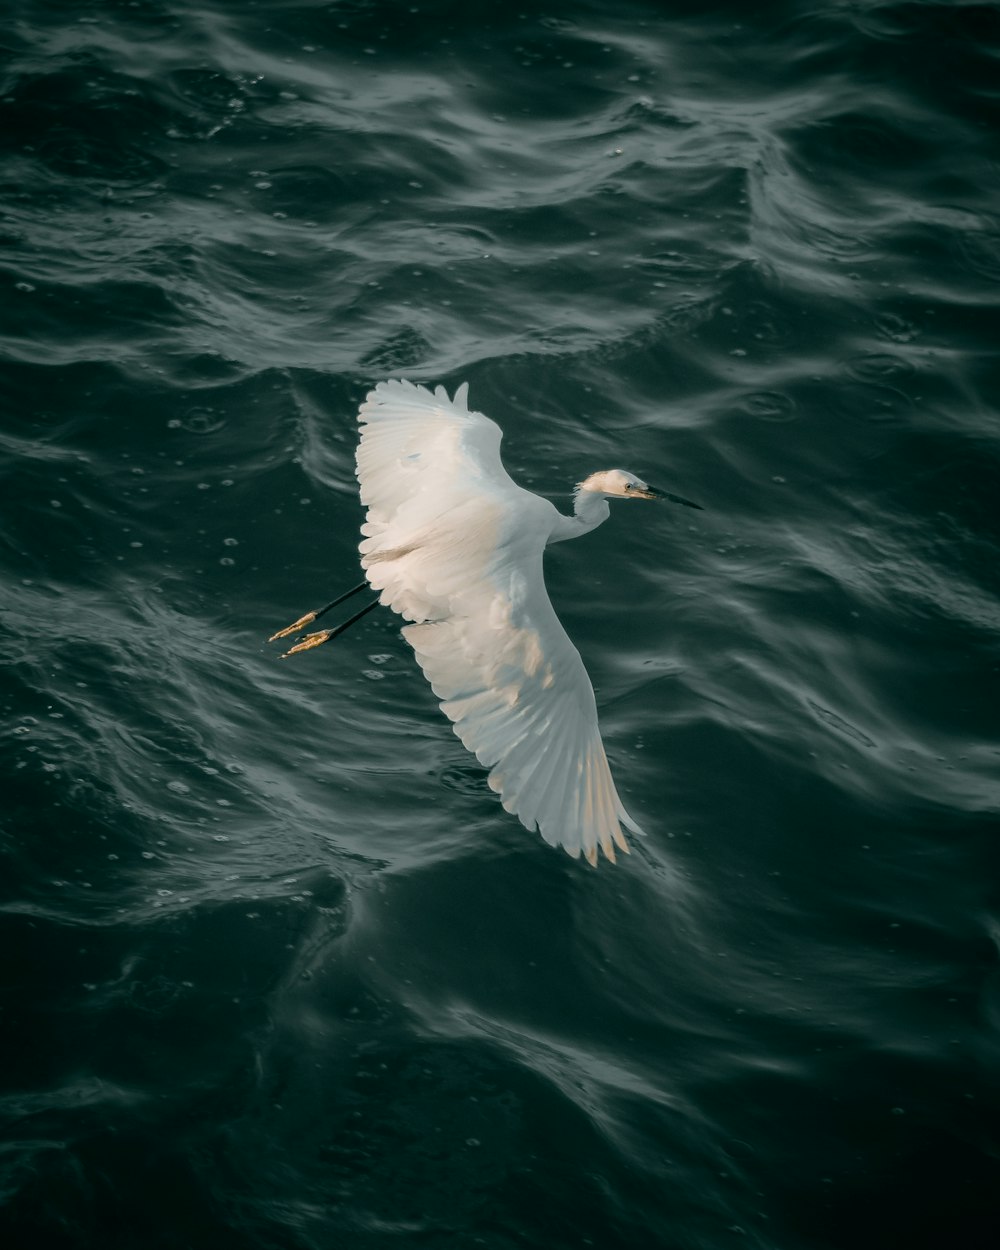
<point>665,494</point>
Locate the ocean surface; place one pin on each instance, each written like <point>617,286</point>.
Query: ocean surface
<point>278,971</point>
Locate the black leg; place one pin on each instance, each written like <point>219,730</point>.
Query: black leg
<point>324,635</point>
<point>309,617</point>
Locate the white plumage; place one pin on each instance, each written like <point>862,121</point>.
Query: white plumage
<point>455,547</point>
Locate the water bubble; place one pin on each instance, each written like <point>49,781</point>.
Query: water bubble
<point>202,421</point>
<point>769,406</point>
<point>872,366</point>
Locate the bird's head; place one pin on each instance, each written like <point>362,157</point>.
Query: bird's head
<point>619,484</point>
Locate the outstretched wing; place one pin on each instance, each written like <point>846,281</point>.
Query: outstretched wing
<point>414,441</point>
<point>456,547</point>
<point>515,688</point>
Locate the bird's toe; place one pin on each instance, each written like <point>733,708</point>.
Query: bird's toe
<point>294,628</point>
<point>309,641</point>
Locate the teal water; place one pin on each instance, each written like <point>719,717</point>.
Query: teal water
<point>278,969</point>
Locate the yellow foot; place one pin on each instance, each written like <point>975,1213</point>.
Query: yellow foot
<point>300,624</point>
<point>308,642</point>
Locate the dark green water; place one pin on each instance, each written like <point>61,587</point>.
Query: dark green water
<point>279,972</point>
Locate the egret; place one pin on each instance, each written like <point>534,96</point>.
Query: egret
<point>455,546</point>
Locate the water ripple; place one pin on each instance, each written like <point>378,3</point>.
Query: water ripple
<point>275,946</point>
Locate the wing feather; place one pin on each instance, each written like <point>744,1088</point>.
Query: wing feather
<point>411,439</point>
<point>539,737</point>
<point>455,546</point>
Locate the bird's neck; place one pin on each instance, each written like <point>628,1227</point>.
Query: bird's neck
<point>590,508</point>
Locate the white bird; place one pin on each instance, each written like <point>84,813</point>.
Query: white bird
<point>455,546</point>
